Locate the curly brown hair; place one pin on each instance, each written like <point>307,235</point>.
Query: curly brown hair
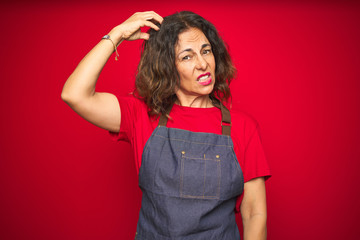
<point>157,77</point>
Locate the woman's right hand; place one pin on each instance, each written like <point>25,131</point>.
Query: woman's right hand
<point>131,29</point>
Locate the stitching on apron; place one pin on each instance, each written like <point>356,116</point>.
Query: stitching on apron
<point>236,161</point>
<point>181,140</point>
<point>181,196</point>
<point>181,175</point>
<point>219,181</point>
<point>210,159</point>
<point>204,178</point>
<point>200,197</point>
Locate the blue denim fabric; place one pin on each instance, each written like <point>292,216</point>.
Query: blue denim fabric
<point>190,182</point>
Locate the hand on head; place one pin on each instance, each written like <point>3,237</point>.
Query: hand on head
<point>131,29</point>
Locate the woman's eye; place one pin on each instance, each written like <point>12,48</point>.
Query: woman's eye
<point>206,51</point>
<point>187,57</point>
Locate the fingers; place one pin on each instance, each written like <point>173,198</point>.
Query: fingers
<point>151,15</point>
<point>149,19</point>
<point>131,28</point>
<point>152,25</point>
<point>144,36</point>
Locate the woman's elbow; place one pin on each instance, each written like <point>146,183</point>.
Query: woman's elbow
<point>67,98</point>
<point>70,96</point>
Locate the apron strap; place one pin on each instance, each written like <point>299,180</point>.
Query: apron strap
<point>226,118</point>
<point>163,119</point>
<point>225,115</point>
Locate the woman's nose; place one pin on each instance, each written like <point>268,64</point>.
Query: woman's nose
<point>201,63</point>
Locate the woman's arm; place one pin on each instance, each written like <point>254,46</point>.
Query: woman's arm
<point>253,209</point>
<point>102,109</point>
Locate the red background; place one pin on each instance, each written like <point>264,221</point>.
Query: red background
<point>298,75</point>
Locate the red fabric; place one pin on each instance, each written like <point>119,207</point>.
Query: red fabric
<point>136,128</point>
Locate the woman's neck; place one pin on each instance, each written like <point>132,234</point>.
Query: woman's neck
<point>196,102</point>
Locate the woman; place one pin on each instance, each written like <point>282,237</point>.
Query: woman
<point>195,154</point>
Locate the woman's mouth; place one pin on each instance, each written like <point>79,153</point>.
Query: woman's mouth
<point>204,79</point>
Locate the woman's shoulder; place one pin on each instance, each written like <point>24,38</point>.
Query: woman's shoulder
<point>130,99</point>
<point>243,126</point>
<point>131,103</point>
<point>243,119</point>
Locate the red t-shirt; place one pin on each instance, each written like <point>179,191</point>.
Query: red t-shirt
<point>136,127</point>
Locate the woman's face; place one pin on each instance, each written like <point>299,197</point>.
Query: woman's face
<point>195,64</point>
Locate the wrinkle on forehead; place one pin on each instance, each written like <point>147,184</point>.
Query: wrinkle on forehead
<point>189,36</point>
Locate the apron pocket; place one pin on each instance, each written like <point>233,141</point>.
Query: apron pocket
<point>200,177</point>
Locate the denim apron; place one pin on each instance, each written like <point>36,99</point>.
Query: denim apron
<point>190,181</point>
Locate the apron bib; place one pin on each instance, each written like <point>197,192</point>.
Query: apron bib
<point>190,181</point>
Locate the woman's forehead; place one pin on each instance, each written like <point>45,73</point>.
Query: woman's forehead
<point>191,38</point>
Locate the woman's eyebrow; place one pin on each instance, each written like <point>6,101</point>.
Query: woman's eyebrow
<point>186,50</point>
<point>205,45</point>
<point>190,49</point>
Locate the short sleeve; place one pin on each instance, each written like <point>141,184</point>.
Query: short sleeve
<point>128,109</point>
<point>255,162</point>
<point>136,126</point>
